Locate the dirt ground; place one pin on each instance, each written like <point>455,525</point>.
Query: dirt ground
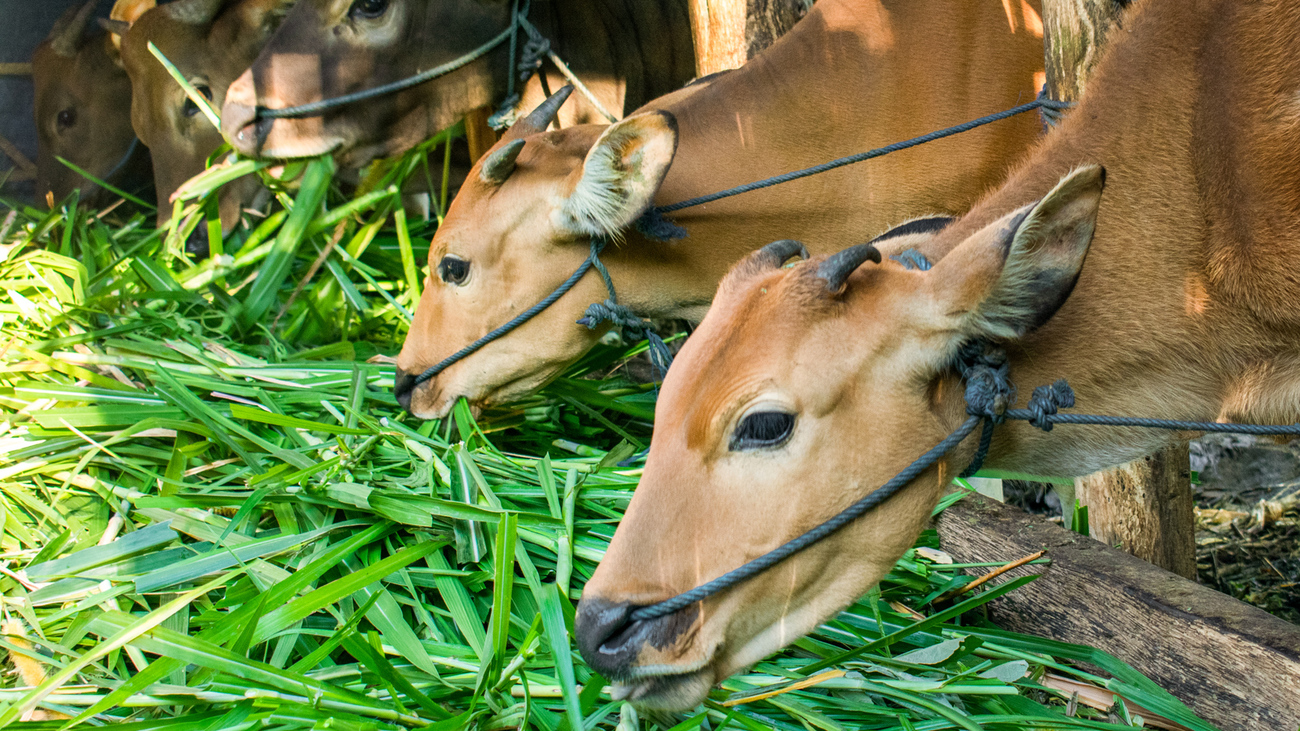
<point>1248,518</point>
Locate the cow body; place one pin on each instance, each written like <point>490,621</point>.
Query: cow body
<point>1171,295</point>
<point>853,75</point>
<point>80,117</point>
<point>327,48</point>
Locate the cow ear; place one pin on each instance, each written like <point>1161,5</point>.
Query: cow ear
<point>129,11</point>
<point>1009,278</point>
<point>66,35</point>
<point>620,176</point>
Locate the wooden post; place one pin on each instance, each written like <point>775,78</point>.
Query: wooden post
<point>1144,507</point>
<point>728,33</point>
<point>479,135</point>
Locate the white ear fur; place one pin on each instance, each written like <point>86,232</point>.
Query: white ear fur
<point>1033,257</point>
<point>620,176</point>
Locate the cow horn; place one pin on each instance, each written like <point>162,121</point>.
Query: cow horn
<point>837,268</point>
<point>542,116</point>
<point>777,253</point>
<point>500,163</point>
<point>194,12</point>
<point>116,27</point>
<point>65,36</point>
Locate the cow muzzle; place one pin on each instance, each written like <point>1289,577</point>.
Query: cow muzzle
<point>239,123</point>
<point>613,644</point>
<point>403,387</point>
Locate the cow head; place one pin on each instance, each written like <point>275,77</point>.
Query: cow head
<point>328,48</point>
<point>81,111</point>
<point>211,42</point>
<point>519,227</point>
<point>804,389</point>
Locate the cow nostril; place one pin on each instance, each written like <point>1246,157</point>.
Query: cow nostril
<point>619,640</point>
<point>606,637</point>
<point>403,387</point>
<point>197,244</point>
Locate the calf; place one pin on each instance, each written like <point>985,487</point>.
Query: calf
<point>211,42</point>
<point>852,75</point>
<point>1172,295</point>
<point>80,117</point>
<point>629,51</point>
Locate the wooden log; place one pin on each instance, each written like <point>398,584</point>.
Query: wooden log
<point>1236,666</point>
<point>1145,507</point>
<point>727,33</point>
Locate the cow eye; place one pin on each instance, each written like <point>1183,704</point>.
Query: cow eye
<point>369,9</point>
<point>66,118</point>
<point>190,108</point>
<point>762,430</point>
<point>453,271</point>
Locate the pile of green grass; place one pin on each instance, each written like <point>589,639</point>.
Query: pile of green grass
<point>213,522</point>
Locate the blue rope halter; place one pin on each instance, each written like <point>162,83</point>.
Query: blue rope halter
<point>621,316</point>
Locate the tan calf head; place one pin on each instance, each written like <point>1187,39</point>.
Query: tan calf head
<point>521,224</point>
<point>328,48</point>
<point>211,42</point>
<point>804,389</point>
<point>82,102</point>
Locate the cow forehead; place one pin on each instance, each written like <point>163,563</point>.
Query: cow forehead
<point>776,330</point>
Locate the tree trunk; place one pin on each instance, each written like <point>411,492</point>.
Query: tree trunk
<point>1144,507</point>
<point>1233,664</point>
<point>728,33</point>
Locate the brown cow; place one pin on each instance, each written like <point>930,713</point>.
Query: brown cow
<point>211,42</point>
<point>80,117</point>
<point>629,50</point>
<point>805,388</point>
<point>852,75</point>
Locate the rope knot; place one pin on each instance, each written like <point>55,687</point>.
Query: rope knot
<point>1047,400</point>
<point>989,392</point>
<point>1051,111</point>
<point>535,49</point>
<point>620,316</point>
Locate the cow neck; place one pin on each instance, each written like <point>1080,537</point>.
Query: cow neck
<point>1130,338</point>
<point>817,94</point>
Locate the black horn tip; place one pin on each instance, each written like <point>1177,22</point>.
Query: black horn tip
<point>838,267</point>
<point>541,117</point>
<point>778,253</point>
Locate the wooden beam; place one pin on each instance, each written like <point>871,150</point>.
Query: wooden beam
<point>1235,665</point>
<point>20,160</point>
<point>1145,506</point>
<point>15,69</point>
<point>728,33</point>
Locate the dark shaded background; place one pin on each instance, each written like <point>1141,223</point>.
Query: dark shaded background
<point>25,24</point>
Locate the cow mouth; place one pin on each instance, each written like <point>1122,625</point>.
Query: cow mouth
<point>670,691</point>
